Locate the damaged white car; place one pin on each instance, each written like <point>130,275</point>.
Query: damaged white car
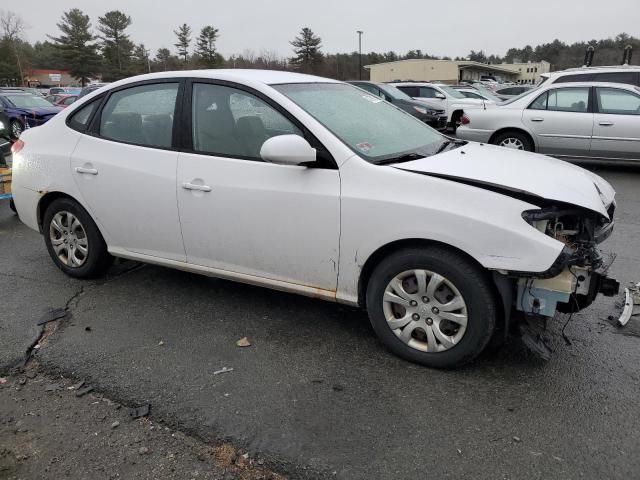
<point>312,186</point>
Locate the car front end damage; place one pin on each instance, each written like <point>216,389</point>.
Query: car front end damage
<point>575,279</point>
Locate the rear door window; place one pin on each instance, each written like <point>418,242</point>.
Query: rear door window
<point>569,100</point>
<point>141,115</point>
<point>617,102</point>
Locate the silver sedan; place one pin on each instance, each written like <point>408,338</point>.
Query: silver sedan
<point>580,121</point>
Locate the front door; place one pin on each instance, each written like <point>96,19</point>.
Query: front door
<point>126,171</point>
<point>561,121</point>
<point>616,126</point>
<point>243,215</point>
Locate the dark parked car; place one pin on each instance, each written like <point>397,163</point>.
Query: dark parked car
<point>91,88</point>
<point>25,110</point>
<point>432,117</point>
<point>5,143</point>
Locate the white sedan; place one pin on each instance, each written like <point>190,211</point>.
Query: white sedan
<point>580,121</point>
<point>313,186</point>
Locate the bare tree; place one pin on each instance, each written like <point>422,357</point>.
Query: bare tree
<point>12,27</point>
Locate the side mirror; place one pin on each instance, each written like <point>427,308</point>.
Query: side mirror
<point>287,150</point>
<point>440,96</point>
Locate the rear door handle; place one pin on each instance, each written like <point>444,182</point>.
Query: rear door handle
<point>606,124</point>
<point>537,119</point>
<point>90,171</point>
<point>191,186</point>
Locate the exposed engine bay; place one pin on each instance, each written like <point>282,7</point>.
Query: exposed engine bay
<point>579,273</point>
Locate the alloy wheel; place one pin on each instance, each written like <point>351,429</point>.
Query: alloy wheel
<point>425,310</point>
<point>69,239</point>
<point>512,142</point>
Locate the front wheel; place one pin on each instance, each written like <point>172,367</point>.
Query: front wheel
<point>74,241</point>
<point>432,306</point>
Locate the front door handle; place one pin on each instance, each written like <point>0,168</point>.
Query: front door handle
<point>537,119</point>
<point>90,171</point>
<point>192,186</point>
<point>606,124</point>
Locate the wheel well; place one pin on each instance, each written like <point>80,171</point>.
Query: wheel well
<point>381,253</point>
<point>512,129</point>
<point>47,200</point>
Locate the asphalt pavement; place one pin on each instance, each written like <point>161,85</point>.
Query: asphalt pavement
<point>316,394</point>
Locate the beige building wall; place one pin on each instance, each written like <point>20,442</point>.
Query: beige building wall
<point>425,70</point>
<point>529,72</point>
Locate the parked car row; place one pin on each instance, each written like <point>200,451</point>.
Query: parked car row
<point>25,110</point>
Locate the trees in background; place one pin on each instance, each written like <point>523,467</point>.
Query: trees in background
<point>206,47</point>
<point>184,40</point>
<point>76,46</point>
<point>306,48</point>
<point>112,54</point>
<point>116,46</point>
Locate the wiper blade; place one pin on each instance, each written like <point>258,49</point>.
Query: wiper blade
<point>444,145</point>
<point>407,157</point>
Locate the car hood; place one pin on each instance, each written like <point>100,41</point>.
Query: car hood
<point>518,174</point>
<point>38,111</point>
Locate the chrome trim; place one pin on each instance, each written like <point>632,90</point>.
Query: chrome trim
<point>558,135</point>
<point>624,139</point>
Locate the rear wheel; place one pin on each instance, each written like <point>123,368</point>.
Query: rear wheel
<point>514,140</point>
<point>431,306</point>
<point>74,241</point>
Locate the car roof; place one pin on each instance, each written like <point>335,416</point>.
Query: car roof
<point>412,84</point>
<point>585,70</point>
<point>267,77</point>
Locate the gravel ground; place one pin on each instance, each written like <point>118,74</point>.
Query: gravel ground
<point>47,431</point>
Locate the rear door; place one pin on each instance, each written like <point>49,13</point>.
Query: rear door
<point>616,129</point>
<point>561,121</point>
<point>125,169</point>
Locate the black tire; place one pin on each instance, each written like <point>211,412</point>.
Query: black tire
<point>97,259</point>
<point>455,120</point>
<point>472,282</point>
<point>12,206</point>
<point>527,145</point>
<point>15,129</point>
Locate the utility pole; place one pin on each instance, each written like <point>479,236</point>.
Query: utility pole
<point>360,32</point>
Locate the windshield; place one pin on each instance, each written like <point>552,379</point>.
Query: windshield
<point>72,90</point>
<point>27,101</point>
<point>451,91</point>
<point>394,92</point>
<point>374,129</point>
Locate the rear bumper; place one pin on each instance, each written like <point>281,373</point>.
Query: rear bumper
<point>473,134</point>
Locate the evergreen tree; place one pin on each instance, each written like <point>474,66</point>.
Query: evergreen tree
<point>163,56</point>
<point>306,47</point>
<point>76,45</point>
<point>140,59</point>
<point>116,46</point>
<point>206,46</point>
<point>184,40</point>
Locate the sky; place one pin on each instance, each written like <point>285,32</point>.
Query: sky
<point>445,27</point>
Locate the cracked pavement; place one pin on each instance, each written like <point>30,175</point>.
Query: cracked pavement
<point>316,395</point>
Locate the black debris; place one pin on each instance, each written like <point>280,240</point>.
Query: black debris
<point>141,411</point>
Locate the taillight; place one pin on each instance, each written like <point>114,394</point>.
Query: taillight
<point>465,120</point>
<point>17,146</point>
